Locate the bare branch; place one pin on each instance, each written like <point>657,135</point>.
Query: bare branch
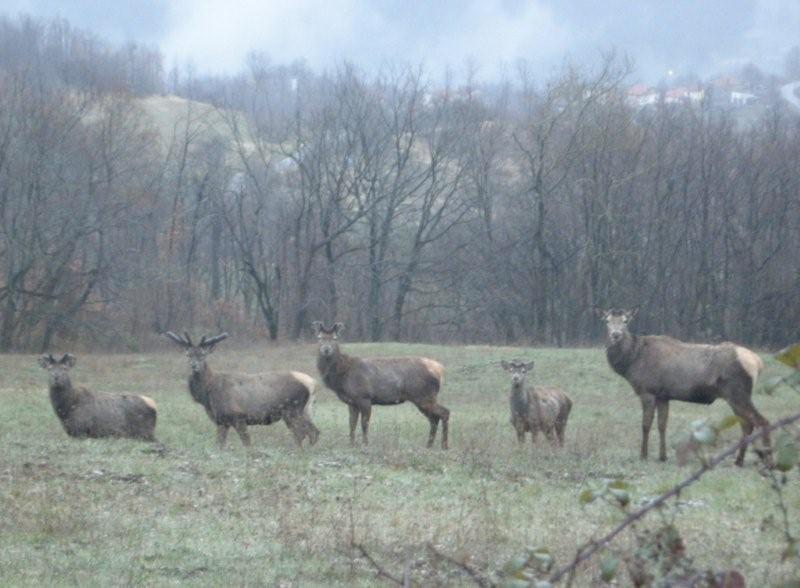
<point>591,548</point>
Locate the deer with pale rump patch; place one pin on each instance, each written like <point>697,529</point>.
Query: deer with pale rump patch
<point>85,413</point>
<point>362,383</point>
<point>660,369</point>
<point>536,408</point>
<point>238,400</point>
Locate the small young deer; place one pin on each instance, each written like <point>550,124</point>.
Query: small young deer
<point>238,400</point>
<point>660,369</point>
<point>84,413</point>
<point>537,408</point>
<point>362,383</point>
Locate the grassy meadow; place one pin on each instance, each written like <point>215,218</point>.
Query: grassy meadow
<point>108,512</point>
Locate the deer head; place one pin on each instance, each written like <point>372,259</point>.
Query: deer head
<point>196,353</point>
<point>617,321</point>
<point>328,337</point>
<point>58,369</point>
<point>518,370</point>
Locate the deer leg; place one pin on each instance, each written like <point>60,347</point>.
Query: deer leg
<point>747,428</point>
<point>561,426</point>
<point>433,419</point>
<point>444,415</point>
<point>222,435</point>
<point>648,412</point>
<point>520,428</point>
<point>750,418</point>
<point>366,412</point>
<point>305,428</point>
<point>662,407</point>
<point>297,427</point>
<point>353,423</point>
<point>311,430</point>
<point>241,428</point>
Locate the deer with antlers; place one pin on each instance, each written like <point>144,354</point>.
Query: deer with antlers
<point>238,400</point>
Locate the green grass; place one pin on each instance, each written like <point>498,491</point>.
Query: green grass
<point>97,512</point>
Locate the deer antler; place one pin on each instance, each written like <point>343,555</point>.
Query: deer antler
<point>177,339</point>
<point>208,343</point>
<point>188,339</point>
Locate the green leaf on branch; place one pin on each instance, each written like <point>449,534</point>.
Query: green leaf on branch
<point>516,583</point>
<point>608,568</point>
<point>787,453</point>
<point>790,356</point>
<point>771,384</point>
<point>792,551</point>
<point>586,496</point>
<point>544,559</point>
<point>516,565</point>
<point>729,421</point>
<point>704,434</point>
<point>621,496</point>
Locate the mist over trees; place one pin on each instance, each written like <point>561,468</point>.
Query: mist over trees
<point>404,208</point>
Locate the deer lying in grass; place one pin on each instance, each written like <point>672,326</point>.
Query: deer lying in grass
<point>238,400</point>
<point>661,369</point>
<point>362,383</point>
<point>84,413</point>
<point>535,409</point>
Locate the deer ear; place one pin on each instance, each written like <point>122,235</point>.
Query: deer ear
<point>317,327</point>
<point>599,312</point>
<point>46,361</point>
<point>338,328</point>
<point>68,360</point>
<point>505,365</point>
<point>632,312</point>
<point>529,366</point>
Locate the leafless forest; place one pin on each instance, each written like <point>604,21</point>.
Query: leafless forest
<point>408,209</point>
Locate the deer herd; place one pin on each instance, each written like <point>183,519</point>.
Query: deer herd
<point>658,368</point>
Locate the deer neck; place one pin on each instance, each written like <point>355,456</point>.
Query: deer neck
<point>334,368</point>
<point>63,398</point>
<point>622,354</point>
<point>199,384</point>
<point>519,397</point>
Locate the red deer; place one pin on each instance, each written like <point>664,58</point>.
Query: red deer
<point>362,383</point>
<point>84,413</point>
<point>238,400</point>
<point>661,369</point>
<point>536,408</point>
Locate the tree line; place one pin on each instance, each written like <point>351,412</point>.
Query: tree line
<point>409,210</point>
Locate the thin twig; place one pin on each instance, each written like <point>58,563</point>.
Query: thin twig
<point>378,567</point>
<point>477,576</point>
<point>588,550</point>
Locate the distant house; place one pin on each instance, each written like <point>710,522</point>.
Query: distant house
<point>684,95</point>
<point>727,83</point>
<point>641,95</point>
<point>742,98</point>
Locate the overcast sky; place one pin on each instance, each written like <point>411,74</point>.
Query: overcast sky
<point>703,36</point>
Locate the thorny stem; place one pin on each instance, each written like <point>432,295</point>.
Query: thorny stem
<point>778,487</point>
<point>378,567</point>
<point>476,575</point>
<point>588,550</point>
